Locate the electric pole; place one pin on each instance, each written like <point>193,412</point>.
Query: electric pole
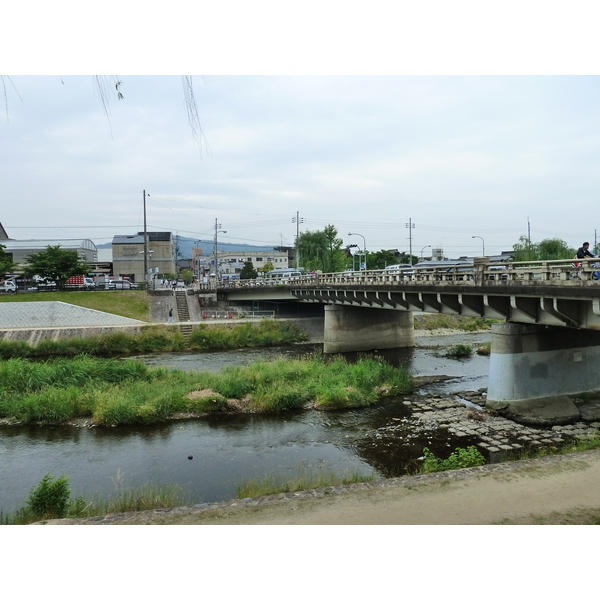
<point>145,243</point>
<point>297,220</point>
<point>410,226</point>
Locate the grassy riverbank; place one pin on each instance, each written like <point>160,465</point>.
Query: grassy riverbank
<point>115,392</point>
<point>430,322</point>
<point>133,304</point>
<point>162,338</point>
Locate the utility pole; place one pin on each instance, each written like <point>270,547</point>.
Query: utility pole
<point>216,247</point>
<point>145,243</point>
<point>410,226</point>
<point>297,220</point>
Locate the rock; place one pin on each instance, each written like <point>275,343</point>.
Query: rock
<point>543,412</point>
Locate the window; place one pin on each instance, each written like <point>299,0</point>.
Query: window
<point>259,259</point>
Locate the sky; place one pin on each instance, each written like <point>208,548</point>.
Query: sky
<point>496,157</point>
<point>406,154</point>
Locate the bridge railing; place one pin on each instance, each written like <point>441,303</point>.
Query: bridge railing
<point>570,272</point>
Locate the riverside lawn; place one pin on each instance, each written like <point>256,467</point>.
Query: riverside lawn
<point>114,392</point>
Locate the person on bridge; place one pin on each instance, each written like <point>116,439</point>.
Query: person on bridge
<point>584,251</point>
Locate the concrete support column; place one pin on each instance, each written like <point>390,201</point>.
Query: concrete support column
<point>352,329</point>
<point>534,367</point>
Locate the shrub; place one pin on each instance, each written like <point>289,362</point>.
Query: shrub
<point>459,351</point>
<point>50,499</point>
<point>484,349</point>
<point>460,459</point>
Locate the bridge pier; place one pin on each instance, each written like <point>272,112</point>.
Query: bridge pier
<point>533,369</point>
<point>352,329</point>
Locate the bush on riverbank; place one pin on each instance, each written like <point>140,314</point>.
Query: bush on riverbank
<point>244,335</point>
<point>433,321</point>
<point>162,338</point>
<point>461,458</point>
<point>115,392</point>
<point>51,499</point>
<point>459,351</point>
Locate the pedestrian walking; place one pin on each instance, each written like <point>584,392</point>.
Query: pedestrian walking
<point>170,316</point>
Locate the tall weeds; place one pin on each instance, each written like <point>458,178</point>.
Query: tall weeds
<point>115,392</point>
<point>161,338</point>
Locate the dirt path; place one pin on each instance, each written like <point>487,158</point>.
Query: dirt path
<point>559,489</point>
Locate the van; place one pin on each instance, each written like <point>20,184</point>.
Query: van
<point>8,286</point>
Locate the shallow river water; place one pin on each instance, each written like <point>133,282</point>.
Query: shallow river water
<point>226,450</point>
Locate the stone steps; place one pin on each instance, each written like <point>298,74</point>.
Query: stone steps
<point>183,312</point>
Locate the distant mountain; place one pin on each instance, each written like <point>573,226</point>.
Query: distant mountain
<point>186,244</point>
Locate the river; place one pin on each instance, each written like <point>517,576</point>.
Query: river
<point>210,457</point>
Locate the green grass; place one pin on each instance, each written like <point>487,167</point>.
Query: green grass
<point>244,335</point>
<point>301,478</point>
<point>590,442</point>
<point>134,304</point>
<point>51,499</point>
<point>114,392</point>
<point>461,458</point>
<point>430,322</point>
<point>459,351</point>
<point>161,338</point>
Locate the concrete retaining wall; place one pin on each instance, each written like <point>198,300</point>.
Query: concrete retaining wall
<point>354,329</point>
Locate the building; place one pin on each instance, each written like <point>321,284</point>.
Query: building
<point>128,253</point>
<point>230,264</point>
<point>18,250</point>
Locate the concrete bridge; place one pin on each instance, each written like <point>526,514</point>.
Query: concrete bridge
<point>546,348</point>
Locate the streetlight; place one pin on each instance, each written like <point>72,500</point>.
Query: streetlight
<point>482,242</point>
<point>364,248</point>
<point>423,248</point>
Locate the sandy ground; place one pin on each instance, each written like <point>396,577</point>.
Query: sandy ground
<point>553,490</point>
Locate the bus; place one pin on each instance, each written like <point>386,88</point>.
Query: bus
<point>283,274</point>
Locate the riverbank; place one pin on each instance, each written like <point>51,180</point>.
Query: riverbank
<point>551,490</point>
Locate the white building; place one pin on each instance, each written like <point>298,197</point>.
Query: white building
<point>230,264</point>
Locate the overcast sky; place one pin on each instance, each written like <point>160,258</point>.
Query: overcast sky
<point>494,156</point>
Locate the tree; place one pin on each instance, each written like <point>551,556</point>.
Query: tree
<point>54,264</point>
<point>187,275</point>
<point>548,249</point>
<point>555,249</point>
<point>381,259</point>
<point>321,250</point>
<point>105,84</point>
<point>248,271</point>
<point>6,263</point>
<point>267,268</point>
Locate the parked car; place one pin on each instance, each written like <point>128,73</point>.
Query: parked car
<point>8,286</point>
<point>121,284</point>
